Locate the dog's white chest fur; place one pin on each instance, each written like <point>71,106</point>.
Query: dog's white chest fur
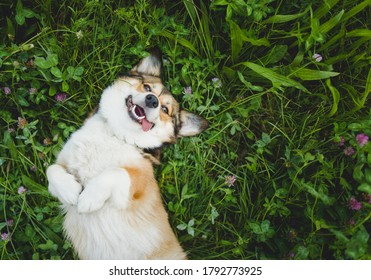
<point>94,148</point>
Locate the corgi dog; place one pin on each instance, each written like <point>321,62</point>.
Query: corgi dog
<point>104,175</point>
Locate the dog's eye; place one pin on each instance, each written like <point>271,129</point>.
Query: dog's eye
<point>147,88</point>
<point>165,109</point>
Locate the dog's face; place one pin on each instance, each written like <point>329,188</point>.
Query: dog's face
<point>141,111</point>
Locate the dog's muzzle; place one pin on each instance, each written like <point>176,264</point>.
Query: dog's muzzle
<point>138,114</point>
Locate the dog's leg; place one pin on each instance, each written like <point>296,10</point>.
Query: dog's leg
<point>63,185</point>
<point>112,185</point>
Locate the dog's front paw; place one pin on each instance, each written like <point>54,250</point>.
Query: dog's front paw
<point>112,185</point>
<point>92,198</point>
<point>63,185</point>
<point>71,193</point>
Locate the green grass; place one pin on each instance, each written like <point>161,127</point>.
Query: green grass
<point>288,128</point>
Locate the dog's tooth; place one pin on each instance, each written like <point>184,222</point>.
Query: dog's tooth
<point>135,115</point>
<point>133,111</point>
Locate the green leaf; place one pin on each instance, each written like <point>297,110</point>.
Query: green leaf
<point>255,228</point>
<point>353,94</point>
<point>33,186</point>
<point>50,61</point>
<point>357,172</point>
<point>365,187</point>
<point>306,74</point>
<point>56,72</point>
<point>236,39</point>
<point>248,84</point>
<point>213,215</point>
<point>10,30</point>
<point>309,157</point>
<point>318,194</point>
<point>368,175</point>
<point>191,231</point>
<point>52,91</point>
<point>357,247</point>
<point>19,7</point>
<point>315,34</point>
<point>256,42</point>
<point>53,58</point>
<point>182,226</point>
<point>191,222</point>
<point>265,226</point>
<point>28,13</point>
<point>277,53</point>
<point>359,33</point>
<point>335,98</point>
<point>220,2</point>
<point>20,19</point>
<point>285,18</point>
<point>302,253</point>
<point>339,235</point>
<point>2,225</point>
<point>70,70</point>
<point>277,80</point>
<point>356,10</point>
<point>325,8</point>
<point>65,86</point>
<point>184,190</point>
<point>266,138</point>
<point>182,41</point>
<point>321,223</point>
<point>331,23</point>
<point>48,246</point>
<point>79,71</point>
<point>367,88</point>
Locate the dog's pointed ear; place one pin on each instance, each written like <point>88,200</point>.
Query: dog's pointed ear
<point>191,124</point>
<point>150,65</point>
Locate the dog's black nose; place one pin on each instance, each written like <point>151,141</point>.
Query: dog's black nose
<point>151,101</point>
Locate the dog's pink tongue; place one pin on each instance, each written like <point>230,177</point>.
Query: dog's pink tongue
<point>146,125</point>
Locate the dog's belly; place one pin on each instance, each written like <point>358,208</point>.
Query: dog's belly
<point>111,234</point>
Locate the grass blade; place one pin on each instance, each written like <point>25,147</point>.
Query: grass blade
<point>331,23</point>
<point>360,33</point>
<point>236,39</point>
<point>36,187</point>
<point>313,75</point>
<point>206,31</point>
<point>256,42</point>
<point>335,98</point>
<point>356,10</point>
<point>367,88</point>
<point>201,24</point>
<point>325,8</point>
<point>277,80</point>
<point>284,18</point>
<point>182,41</point>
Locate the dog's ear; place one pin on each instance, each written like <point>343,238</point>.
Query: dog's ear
<point>191,124</point>
<point>150,65</point>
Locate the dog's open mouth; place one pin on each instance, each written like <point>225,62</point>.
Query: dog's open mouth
<point>137,114</point>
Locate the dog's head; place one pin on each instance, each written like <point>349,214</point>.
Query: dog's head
<point>140,110</point>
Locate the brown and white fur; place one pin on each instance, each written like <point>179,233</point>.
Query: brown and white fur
<point>105,180</point>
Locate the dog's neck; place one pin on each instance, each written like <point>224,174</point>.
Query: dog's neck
<point>152,154</point>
